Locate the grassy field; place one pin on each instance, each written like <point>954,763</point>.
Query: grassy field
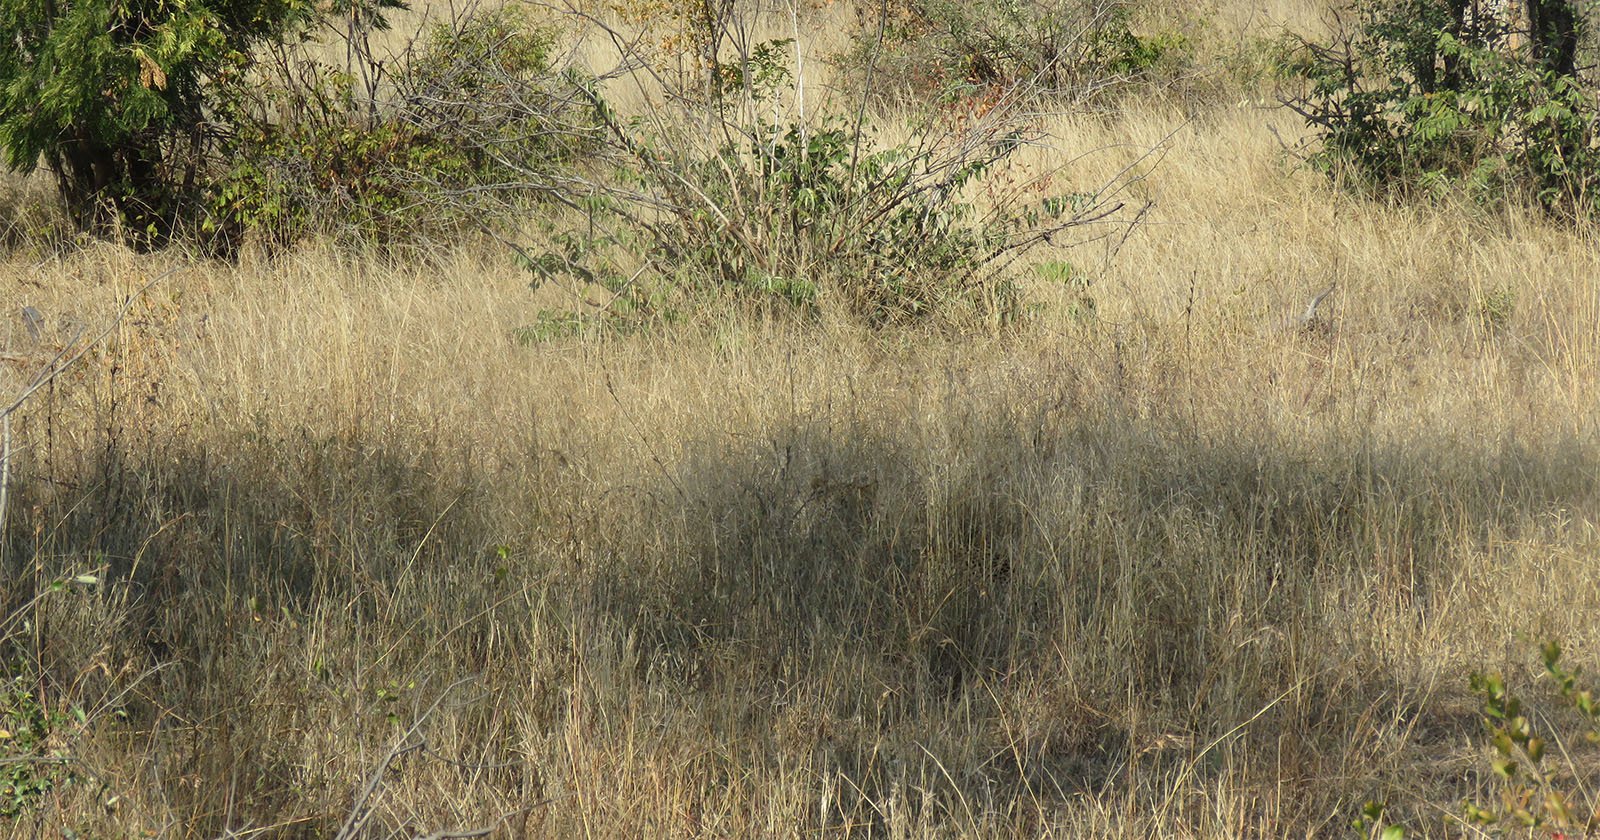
<point>1177,568</point>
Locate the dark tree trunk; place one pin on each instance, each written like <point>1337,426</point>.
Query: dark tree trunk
<point>85,170</point>
<point>1459,25</point>
<point>114,192</point>
<point>1554,29</point>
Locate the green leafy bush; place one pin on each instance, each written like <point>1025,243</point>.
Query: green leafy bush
<point>789,217</point>
<point>896,245</point>
<point>1435,96</point>
<point>471,126</point>
<point>210,119</point>
<point>115,97</point>
<point>712,199</point>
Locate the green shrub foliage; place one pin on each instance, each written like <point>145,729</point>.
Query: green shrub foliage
<point>471,122</point>
<point>30,766</point>
<point>1433,96</point>
<point>783,216</point>
<point>114,96</point>
<point>213,117</point>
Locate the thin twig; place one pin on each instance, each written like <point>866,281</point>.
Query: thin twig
<point>54,368</point>
<point>361,809</point>
<point>454,835</point>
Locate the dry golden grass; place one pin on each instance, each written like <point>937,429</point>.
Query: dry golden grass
<point>1171,571</point>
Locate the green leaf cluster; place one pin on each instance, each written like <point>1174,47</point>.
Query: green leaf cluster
<point>1431,97</point>
<point>1533,794</point>
<point>114,96</point>
<point>30,757</point>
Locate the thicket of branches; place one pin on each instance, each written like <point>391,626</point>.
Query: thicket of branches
<point>481,125</point>
<point>1494,101</point>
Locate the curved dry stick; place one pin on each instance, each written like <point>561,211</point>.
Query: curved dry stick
<point>361,809</point>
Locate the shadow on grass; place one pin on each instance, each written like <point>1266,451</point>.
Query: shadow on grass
<point>1023,564</point>
<point>996,604</point>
